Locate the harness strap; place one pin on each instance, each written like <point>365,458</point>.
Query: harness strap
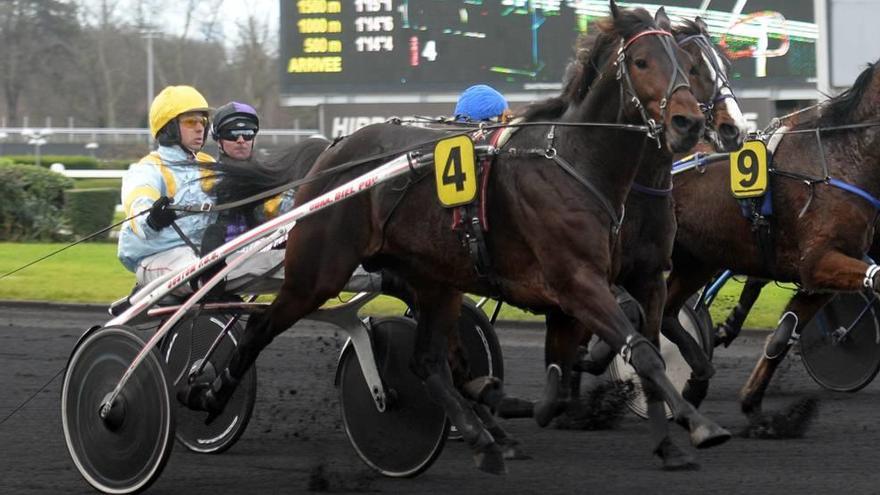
<point>651,191</point>
<point>855,190</point>
<point>616,220</point>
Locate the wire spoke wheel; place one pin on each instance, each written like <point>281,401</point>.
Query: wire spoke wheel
<point>125,450</point>
<point>480,342</point>
<point>677,369</point>
<point>183,351</point>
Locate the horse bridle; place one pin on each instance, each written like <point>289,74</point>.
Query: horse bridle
<point>678,80</point>
<point>719,95</point>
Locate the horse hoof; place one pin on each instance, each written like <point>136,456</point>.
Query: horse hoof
<point>200,397</point>
<point>705,434</point>
<point>511,450</point>
<point>512,407</point>
<point>603,409</point>
<point>547,408</point>
<point>491,460</point>
<point>544,412</point>
<point>674,459</point>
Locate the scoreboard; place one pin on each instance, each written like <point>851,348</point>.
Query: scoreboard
<point>394,48</point>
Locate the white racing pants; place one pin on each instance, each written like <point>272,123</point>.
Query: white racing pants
<point>262,273</point>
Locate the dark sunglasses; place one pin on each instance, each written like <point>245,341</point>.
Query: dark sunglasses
<point>234,134</point>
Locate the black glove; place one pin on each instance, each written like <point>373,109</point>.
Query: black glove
<point>160,216</point>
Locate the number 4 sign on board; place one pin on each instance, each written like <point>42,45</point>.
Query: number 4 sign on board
<point>455,171</point>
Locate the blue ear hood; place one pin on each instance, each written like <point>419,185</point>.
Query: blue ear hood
<point>480,102</point>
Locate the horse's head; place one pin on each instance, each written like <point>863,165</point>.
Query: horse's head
<point>651,73</point>
<point>726,127</point>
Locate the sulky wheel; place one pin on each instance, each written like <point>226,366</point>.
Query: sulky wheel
<point>481,346</point>
<point>124,451</point>
<point>183,350</point>
<point>677,368</point>
<point>838,359</point>
<point>480,342</point>
<point>407,437</point>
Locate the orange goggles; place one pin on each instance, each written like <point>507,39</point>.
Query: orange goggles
<point>192,121</point>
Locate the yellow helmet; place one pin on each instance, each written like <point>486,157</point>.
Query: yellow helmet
<point>173,101</point>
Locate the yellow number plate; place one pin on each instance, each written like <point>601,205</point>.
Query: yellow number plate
<point>748,170</point>
<point>455,171</point>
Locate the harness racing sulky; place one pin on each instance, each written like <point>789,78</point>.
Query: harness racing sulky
<point>567,211</point>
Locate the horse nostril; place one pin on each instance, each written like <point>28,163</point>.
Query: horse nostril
<point>687,125</point>
<point>682,124</point>
<point>728,131</point>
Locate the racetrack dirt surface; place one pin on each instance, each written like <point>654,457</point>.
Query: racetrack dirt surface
<point>295,442</point>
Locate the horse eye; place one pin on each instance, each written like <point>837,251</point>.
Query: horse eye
<point>694,71</point>
<point>641,63</point>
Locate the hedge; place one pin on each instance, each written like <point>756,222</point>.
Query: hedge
<point>90,210</point>
<point>31,203</point>
<point>76,162</point>
<point>116,164</point>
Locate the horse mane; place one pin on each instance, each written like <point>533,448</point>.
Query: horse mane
<point>239,179</point>
<point>842,108</point>
<point>591,54</point>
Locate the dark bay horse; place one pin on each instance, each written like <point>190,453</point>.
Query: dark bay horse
<point>555,196</point>
<point>646,239</point>
<point>824,184</point>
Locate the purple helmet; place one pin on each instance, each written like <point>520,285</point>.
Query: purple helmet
<point>235,114</point>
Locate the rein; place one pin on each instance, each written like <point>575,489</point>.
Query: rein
<point>343,167</point>
<point>677,81</point>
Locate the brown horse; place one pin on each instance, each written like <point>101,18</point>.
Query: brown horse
<point>823,185</point>
<point>553,233</point>
<point>646,242</point>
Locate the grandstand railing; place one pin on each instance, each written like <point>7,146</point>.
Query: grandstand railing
<point>125,135</point>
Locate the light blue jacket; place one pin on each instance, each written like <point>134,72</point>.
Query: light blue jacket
<point>168,171</point>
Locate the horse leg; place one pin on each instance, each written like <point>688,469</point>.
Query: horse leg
<point>560,351</point>
<point>680,286</point>
<point>833,270</point>
<point>311,277</point>
<point>597,309</point>
<point>439,310</point>
<point>486,392</point>
<point>510,446</point>
<point>650,292</point>
<point>800,310</point>
<point>726,332</point>
<point>600,354</point>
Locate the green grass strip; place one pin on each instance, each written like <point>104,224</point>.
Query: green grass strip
<point>91,273</point>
